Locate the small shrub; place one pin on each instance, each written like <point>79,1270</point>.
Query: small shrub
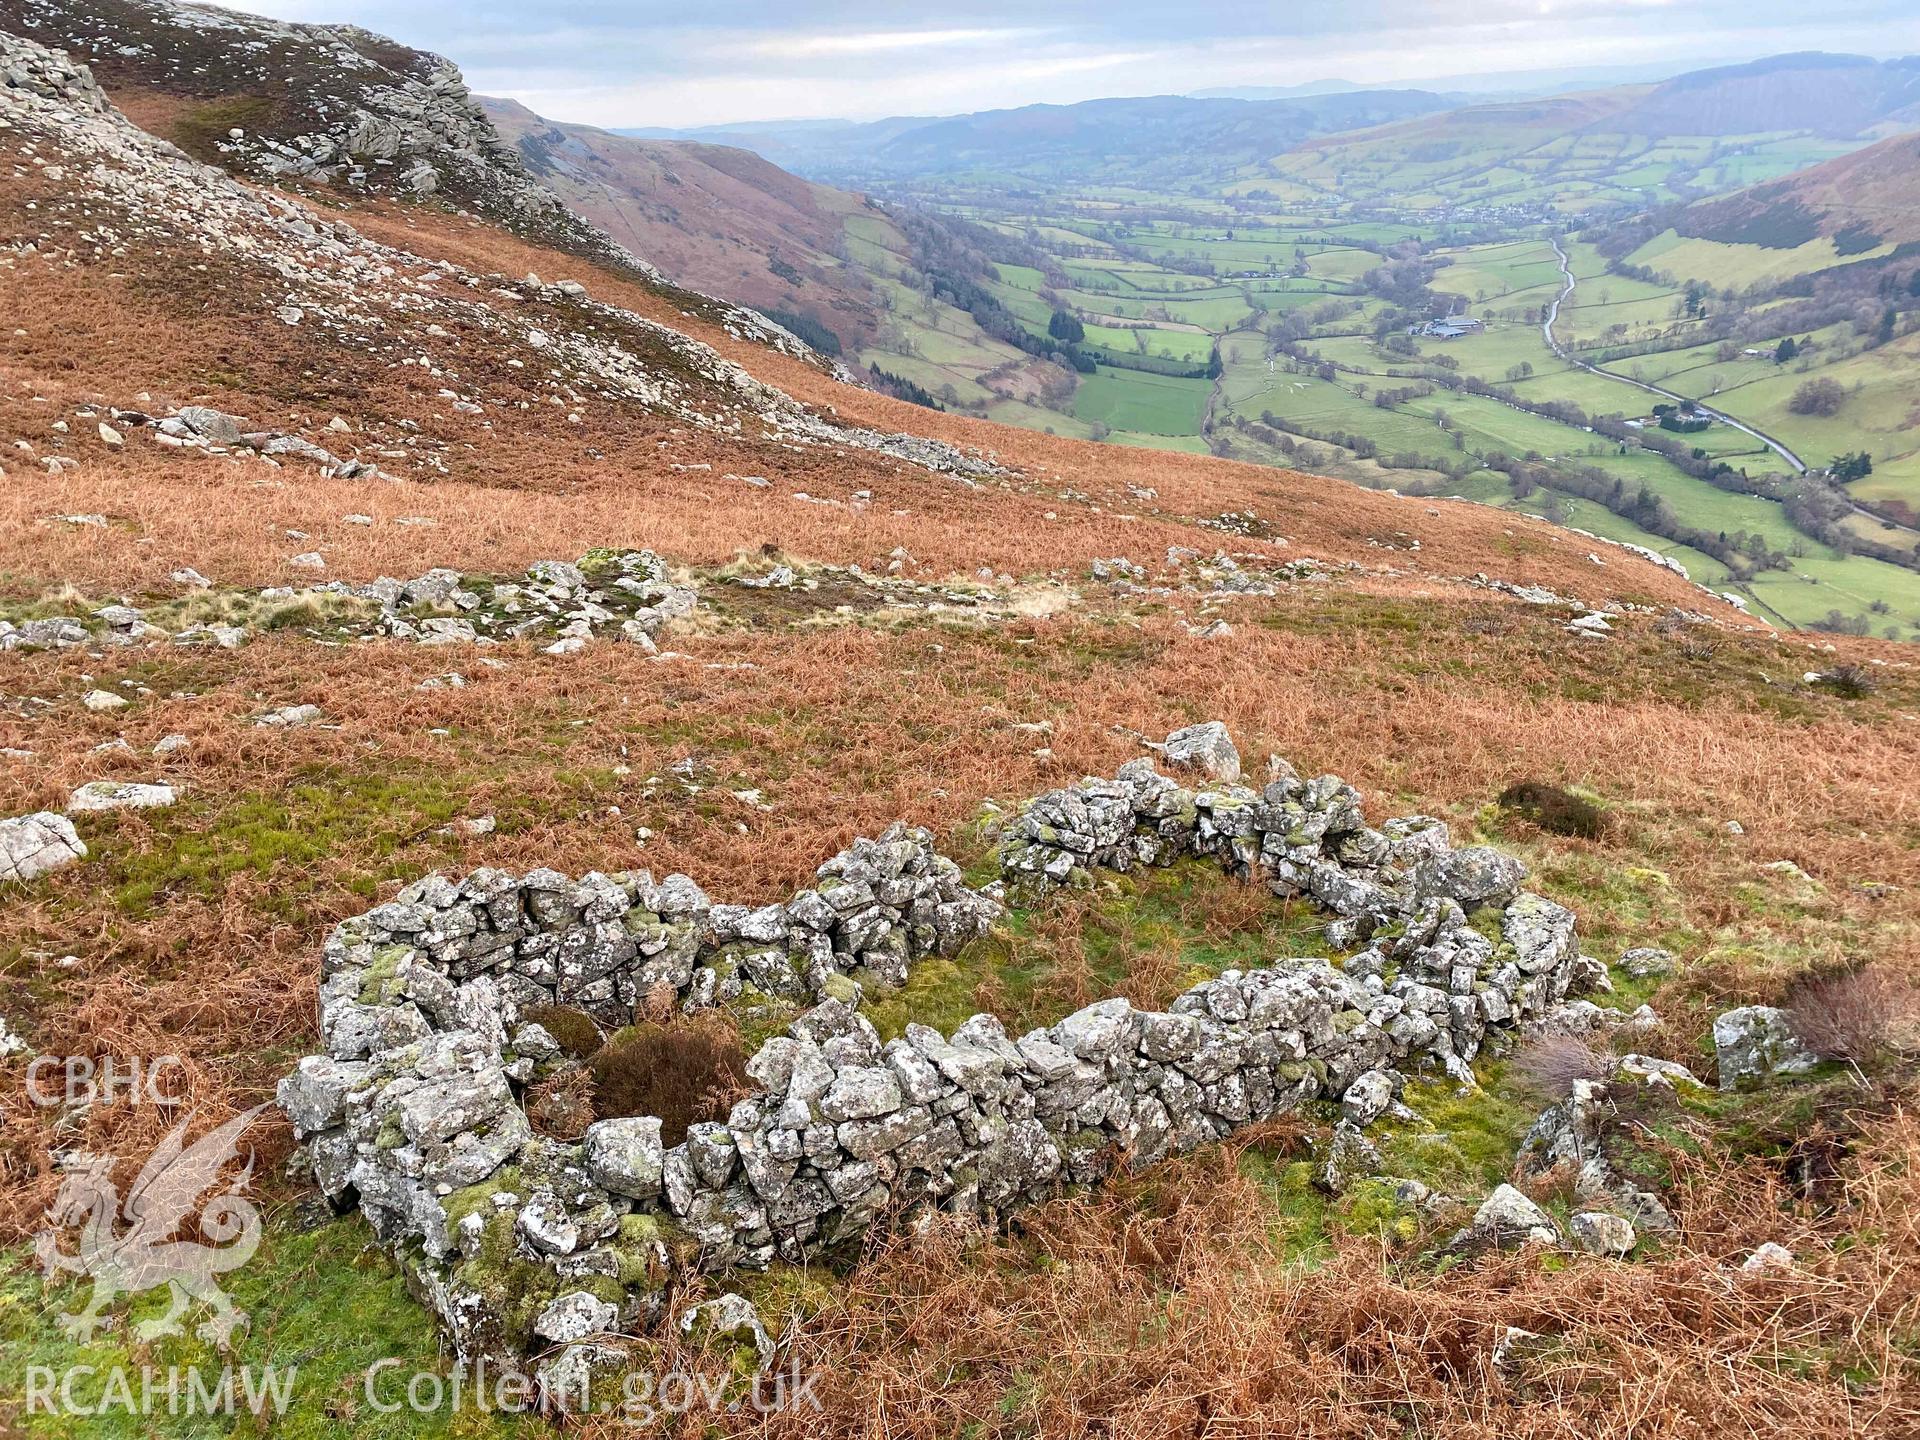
<point>1861,1017</point>
<point>1852,681</point>
<point>562,1107</point>
<point>689,1070</point>
<point>573,1030</point>
<point>1549,1063</point>
<point>1554,809</point>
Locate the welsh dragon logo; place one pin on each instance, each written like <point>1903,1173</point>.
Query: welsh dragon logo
<point>133,1248</point>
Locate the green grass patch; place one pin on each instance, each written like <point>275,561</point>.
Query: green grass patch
<point>1134,400</point>
<point>325,1306</point>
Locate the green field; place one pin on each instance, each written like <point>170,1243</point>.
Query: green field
<point>1279,276</point>
<point>1130,400</point>
<point>1738,266</point>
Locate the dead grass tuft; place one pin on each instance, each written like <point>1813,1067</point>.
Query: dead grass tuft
<point>1864,1017</point>
<point>1550,1062</point>
<point>689,1070</point>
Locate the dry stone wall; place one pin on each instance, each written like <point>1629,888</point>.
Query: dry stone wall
<point>518,1240</point>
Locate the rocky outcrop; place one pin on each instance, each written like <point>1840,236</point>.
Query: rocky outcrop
<point>414,1111</point>
<point>305,269</point>
<point>321,104</point>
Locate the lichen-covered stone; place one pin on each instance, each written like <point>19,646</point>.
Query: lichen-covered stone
<point>1756,1042</point>
<point>625,1157</point>
<point>37,844</point>
<point>1507,1218</point>
<point>1599,1233</point>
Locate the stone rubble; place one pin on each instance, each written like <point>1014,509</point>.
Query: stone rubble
<point>1573,1134</point>
<point>624,593</point>
<point>414,1111</point>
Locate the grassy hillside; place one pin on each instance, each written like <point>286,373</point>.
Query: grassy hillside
<point>230,408</point>
<point>1861,202</point>
<point>717,220</point>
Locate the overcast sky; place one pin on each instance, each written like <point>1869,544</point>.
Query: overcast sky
<point>600,62</point>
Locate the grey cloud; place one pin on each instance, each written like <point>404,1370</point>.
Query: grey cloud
<point>612,64</point>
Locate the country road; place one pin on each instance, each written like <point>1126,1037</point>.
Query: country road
<point>1546,330</point>
<point>1799,465</point>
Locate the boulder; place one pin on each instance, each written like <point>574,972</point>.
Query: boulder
<point>1367,1098</point>
<point>575,1316</point>
<point>1646,962</point>
<point>1651,1070</point>
<point>1478,875</point>
<point>315,1093</point>
<point>1599,1233</point>
<point>1755,1043</point>
<point>625,1156</point>
<point>574,1379</point>
<point>97,795</point>
<point>290,717</point>
<point>1347,1156</point>
<point>214,426</point>
<point>1507,1218</point>
<point>861,1092</point>
<point>32,845</point>
<point>1206,748</point>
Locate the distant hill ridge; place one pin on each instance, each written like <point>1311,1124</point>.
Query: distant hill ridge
<point>1840,96</point>
<point>1148,131</point>
<point>1829,95</point>
<point>1862,200</point>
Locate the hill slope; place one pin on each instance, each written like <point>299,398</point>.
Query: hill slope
<point>1620,147</point>
<point>901,290</point>
<point>412,589</point>
<point>328,108</point>
<point>1868,198</point>
<point>715,218</point>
